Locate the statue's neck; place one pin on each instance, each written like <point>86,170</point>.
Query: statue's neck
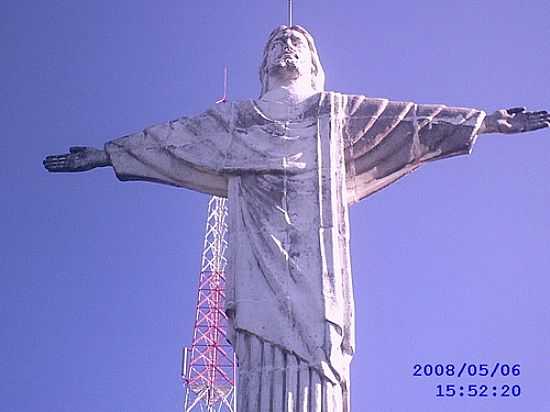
<point>283,88</point>
<point>289,94</point>
<point>284,103</point>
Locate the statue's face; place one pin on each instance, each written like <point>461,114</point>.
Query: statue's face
<point>289,55</point>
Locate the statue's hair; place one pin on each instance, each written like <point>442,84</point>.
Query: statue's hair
<point>317,73</point>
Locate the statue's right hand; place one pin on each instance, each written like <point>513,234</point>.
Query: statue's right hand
<point>79,159</point>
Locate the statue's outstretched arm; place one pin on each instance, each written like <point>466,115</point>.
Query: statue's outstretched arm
<point>79,159</point>
<point>515,120</point>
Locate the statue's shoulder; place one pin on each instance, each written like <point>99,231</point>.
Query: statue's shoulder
<point>236,114</point>
<point>355,98</point>
<point>232,107</point>
<point>348,104</point>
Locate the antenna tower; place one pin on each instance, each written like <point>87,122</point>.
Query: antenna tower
<point>209,364</point>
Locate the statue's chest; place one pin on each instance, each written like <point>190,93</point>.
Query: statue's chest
<point>290,145</point>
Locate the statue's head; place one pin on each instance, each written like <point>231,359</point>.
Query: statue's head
<point>291,49</point>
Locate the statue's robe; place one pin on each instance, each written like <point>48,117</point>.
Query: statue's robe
<point>289,183</point>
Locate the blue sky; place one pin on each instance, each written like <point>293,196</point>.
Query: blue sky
<point>451,264</point>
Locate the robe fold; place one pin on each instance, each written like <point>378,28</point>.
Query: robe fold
<point>289,185</point>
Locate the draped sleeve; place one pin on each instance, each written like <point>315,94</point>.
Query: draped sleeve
<point>385,140</point>
<point>187,152</point>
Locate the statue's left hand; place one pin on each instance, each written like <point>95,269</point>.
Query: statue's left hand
<point>79,159</point>
<point>515,120</point>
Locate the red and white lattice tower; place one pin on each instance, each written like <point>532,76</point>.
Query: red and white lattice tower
<point>209,365</point>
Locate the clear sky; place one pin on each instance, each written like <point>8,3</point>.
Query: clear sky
<point>451,264</point>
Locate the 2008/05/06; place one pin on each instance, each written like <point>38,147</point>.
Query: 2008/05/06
<point>472,369</point>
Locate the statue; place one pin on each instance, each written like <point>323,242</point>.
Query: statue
<point>291,163</point>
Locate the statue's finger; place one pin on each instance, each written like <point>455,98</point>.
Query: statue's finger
<point>55,157</point>
<point>60,160</point>
<point>516,110</point>
<point>537,115</point>
<point>538,119</point>
<point>54,160</point>
<point>77,149</point>
<point>54,167</point>
<point>58,167</point>
<point>538,126</point>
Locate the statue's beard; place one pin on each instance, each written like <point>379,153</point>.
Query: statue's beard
<point>287,67</point>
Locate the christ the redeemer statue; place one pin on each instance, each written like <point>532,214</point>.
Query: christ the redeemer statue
<point>291,163</point>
